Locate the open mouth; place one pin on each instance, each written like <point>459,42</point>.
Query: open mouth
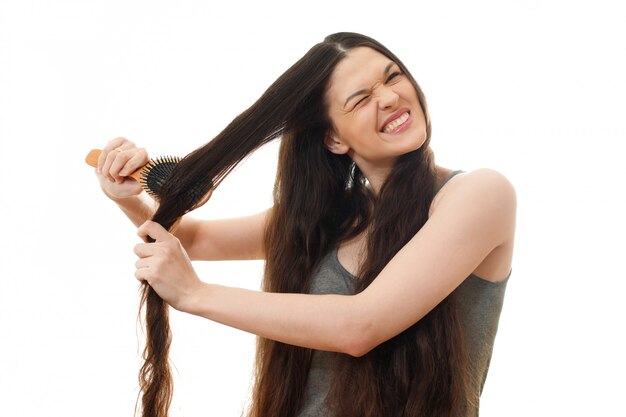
<point>396,123</point>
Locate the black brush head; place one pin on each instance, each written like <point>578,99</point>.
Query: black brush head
<point>158,171</point>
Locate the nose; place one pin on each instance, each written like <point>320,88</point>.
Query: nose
<point>387,98</point>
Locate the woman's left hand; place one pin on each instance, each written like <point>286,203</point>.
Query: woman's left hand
<point>165,266</point>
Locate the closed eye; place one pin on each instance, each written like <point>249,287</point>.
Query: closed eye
<point>360,101</point>
<point>393,75</point>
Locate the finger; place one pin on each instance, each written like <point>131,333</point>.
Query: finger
<point>153,230</point>
<point>136,161</point>
<point>117,142</point>
<point>144,250</point>
<point>141,274</point>
<point>119,162</point>
<point>120,142</point>
<point>142,263</point>
<point>108,162</point>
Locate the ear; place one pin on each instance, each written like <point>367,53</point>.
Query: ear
<point>335,145</point>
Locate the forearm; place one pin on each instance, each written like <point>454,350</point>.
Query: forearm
<point>323,322</point>
<point>138,208</point>
<point>141,208</point>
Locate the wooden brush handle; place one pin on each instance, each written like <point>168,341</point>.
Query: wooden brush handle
<point>92,160</point>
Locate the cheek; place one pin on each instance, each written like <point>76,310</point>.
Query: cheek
<point>367,120</point>
<point>422,139</point>
<point>357,124</point>
<point>422,134</point>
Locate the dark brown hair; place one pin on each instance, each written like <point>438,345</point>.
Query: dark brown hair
<point>321,199</point>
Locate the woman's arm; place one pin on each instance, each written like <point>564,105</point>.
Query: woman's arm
<point>227,239</point>
<point>237,238</point>
<point>210,240</point>
<point>473,219</point>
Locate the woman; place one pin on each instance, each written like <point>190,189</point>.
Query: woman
<point>384,273</point>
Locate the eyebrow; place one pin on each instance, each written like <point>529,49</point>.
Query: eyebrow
<point>365,90</point>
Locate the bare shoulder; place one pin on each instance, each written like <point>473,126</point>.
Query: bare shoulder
<point>482,188</point>
<point>481,207</point>
<point>485,192</point>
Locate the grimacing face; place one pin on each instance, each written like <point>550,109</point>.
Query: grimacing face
<point>374,109</point>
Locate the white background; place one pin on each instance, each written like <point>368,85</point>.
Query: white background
<point>534,89</point>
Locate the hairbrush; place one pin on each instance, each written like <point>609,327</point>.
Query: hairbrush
<point>154,174</point>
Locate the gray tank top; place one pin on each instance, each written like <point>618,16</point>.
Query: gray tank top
<point>481,304</point>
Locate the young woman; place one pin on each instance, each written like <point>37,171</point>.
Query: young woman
<point>385,273</point>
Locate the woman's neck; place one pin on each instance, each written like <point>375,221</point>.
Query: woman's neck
<point>376,174</point>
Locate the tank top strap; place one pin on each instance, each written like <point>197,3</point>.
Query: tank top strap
<point>452,174</point>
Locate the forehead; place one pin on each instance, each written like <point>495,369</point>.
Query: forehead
<point>361,67</point>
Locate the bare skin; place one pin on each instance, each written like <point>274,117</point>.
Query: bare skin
<point>470,230</point>
<point>228,239</point>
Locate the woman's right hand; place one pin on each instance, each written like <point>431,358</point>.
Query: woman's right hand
<point>120,158</point>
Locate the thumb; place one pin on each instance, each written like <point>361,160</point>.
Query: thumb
<point>153,230</point>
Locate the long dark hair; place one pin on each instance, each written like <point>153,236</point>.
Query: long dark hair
<point>321,199</point>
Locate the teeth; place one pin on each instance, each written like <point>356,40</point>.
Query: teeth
<point>396,123</point>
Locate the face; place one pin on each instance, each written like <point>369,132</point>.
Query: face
<point>375,110</point>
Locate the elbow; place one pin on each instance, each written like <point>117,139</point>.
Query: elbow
<point>358,351</point>
<point>358,339</point>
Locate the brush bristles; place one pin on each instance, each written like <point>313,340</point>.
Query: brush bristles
<point>156,172</point>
